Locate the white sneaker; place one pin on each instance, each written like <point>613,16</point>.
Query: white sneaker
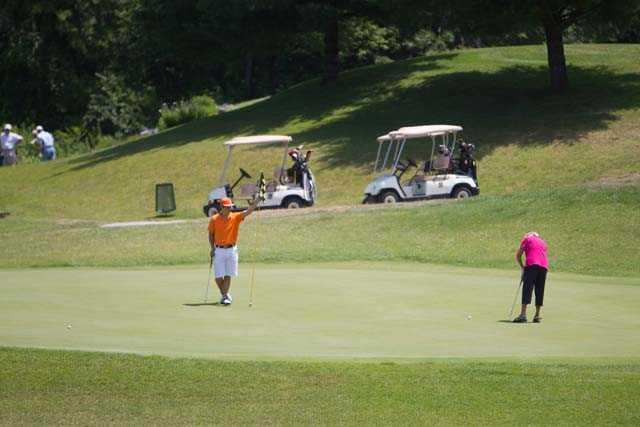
<point>226,300</point>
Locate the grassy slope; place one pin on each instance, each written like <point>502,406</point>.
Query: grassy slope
<point>589,231</point>
<point>53,387</point>
<point>526,137</point>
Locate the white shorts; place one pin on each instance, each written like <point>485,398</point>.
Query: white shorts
<point>225,262</point>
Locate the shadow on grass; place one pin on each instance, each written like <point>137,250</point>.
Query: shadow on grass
<point>511,106</point>
<point>308,101</point>
<point>342,119</point>
<point>202,304</point>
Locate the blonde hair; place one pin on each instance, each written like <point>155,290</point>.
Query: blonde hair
<point>532,233</point>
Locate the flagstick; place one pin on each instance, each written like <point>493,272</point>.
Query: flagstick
<point>260,197</point>
<point>255,258</point>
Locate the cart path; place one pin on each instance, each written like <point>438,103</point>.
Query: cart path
<point>632,178</point>
<point>270,213</point>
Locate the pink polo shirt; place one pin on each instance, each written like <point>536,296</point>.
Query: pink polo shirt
<point>535,250</point>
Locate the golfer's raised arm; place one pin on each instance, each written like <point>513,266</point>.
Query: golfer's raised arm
<point>252,206</point>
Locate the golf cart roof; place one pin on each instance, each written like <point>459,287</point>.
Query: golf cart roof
<point>410,132</point>
<point>259,139</point>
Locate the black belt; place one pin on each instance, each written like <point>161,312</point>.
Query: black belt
<point>224,246</point>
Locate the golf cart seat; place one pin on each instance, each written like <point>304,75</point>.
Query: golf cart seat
<point>271,186</point>
<point>248,190</point>
<point>443,161</point>
<point>280,174</point>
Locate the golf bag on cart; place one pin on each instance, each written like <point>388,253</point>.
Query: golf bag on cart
<point>466,165</point>
<point>296,173</point>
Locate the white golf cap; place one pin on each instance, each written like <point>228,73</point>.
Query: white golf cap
<point>39,128</point>
<point>7,127</point>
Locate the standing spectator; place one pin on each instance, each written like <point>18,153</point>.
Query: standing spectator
<point>46,142</point>
<point>534,273</point>
<point>8,143</point>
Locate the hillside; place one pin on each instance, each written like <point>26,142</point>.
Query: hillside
<point>527,139</point>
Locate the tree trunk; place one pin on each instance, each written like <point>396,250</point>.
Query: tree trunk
<point>331,49</point>
<point>274,74</point>
<point>248,76</point>
<point>555,57</point>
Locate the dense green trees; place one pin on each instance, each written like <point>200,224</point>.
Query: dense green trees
<point>553,17</point>
<point>108,65</point>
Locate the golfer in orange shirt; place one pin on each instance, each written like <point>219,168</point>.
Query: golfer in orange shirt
<point>223,236</point>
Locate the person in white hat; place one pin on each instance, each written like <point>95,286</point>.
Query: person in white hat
<point>8,143</point>
<point>46,143</point>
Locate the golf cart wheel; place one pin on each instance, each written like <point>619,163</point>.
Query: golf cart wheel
<point>369,200</point>
<point>389,197</point>
<point>293,203</point>
<point>461,192</point>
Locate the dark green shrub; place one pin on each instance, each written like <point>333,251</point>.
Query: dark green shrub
<point>181,112</point>
<point>113,109</point>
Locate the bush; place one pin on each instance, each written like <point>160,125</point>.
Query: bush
<point>68,142</point>
<point>73,140</point>
<point>113,109</point>
<point>181,112</point>
<point>363,42</point>
<point>27,153</point>
<point>425,41</point>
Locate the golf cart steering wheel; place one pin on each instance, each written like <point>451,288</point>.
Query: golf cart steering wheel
<point>411,162</point>
<point>244,173</point>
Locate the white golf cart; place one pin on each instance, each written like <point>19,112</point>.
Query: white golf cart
<point>288,188</point>
<point>439,176</point>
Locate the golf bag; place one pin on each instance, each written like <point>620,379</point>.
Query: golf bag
<point>296,173</point>
<point>466,164</point>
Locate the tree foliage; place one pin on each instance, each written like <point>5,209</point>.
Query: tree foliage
<point>110,64</point>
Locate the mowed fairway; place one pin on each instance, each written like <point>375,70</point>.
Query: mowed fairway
<point>319,312</point>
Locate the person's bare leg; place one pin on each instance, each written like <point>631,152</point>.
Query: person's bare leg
<point>538,308</point>
<point>523,310</point>
<point>225,285</point>
<point>220,283</point>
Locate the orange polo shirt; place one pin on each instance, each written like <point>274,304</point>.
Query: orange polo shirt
<point>225,231</point>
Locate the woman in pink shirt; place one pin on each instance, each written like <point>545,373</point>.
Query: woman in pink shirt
<point>534,273</point>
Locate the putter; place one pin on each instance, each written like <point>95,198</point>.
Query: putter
<point>206,289</point>
<point>515,298</point>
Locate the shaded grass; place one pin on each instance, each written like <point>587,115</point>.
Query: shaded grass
<point>57,387</point>
<point>527,138</point>
<point>589,231</point>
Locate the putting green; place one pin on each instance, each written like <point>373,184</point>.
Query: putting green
<point>320,311</point>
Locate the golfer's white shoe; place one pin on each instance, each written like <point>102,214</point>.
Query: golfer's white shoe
<point>226,300</point>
